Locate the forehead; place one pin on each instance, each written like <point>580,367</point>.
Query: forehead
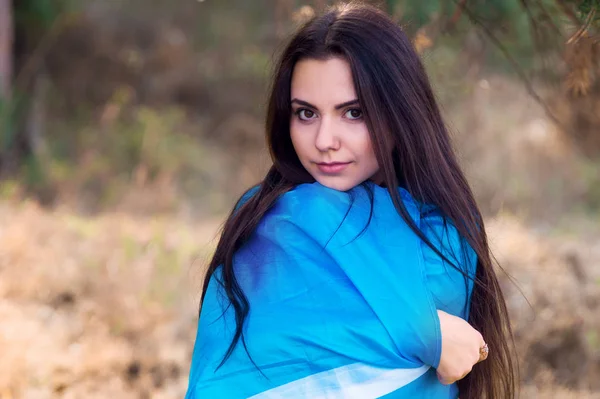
<point>323,82</point>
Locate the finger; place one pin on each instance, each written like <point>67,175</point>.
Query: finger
<point>483,353</point>
<point>443,380</point>
<point>453,379</point>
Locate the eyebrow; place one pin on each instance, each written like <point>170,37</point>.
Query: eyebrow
<point>337,107</point>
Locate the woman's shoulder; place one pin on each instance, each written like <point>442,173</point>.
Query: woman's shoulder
<point>317,198</point>
<point>249,193</point>
<point>314,200</point>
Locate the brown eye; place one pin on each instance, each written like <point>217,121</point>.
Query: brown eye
<point>305,114</point>
<point>354,113</point>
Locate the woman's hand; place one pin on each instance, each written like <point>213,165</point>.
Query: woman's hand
<point>461,345</point>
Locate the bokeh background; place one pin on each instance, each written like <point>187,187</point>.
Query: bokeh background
<point>128,128</point>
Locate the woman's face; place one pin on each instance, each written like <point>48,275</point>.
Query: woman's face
<point>327,126</point>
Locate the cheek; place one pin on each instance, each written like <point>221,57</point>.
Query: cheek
<point>368,153</point>
<point>302,136</point>
<point>297,141</point>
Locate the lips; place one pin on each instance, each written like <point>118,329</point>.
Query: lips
<point>332,167</point>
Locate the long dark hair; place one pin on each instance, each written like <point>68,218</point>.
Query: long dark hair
<point>413,149</point>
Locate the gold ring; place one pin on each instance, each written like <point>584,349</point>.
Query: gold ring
<point>483,352</point>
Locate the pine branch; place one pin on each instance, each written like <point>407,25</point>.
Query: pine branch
<point>515,65</point>
<point>549,18</point>
<point>584,28</point>
<point>568,11</point>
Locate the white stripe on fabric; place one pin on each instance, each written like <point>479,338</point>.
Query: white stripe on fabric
<point>355,380</point>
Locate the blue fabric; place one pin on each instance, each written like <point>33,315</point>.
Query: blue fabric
<point>324,297</point>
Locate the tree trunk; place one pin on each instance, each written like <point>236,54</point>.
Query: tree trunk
<point>22,121</point>
<point>6,42</point>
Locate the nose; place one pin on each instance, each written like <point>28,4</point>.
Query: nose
<point>327,136</point>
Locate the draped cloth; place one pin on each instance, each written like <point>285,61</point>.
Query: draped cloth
<point>343,299</point>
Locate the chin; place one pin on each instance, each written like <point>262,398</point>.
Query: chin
<point>336,183</point>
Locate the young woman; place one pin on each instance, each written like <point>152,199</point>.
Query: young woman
<point>347,272</point>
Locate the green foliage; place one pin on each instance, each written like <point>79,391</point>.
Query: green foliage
<point>505,19</point>
<point>12,113</point>
<point>6,123</point>
<point>103,161</point>
<point>592,179</point>
<point>235,40</point>
<point>40,15</point>
<point>9,189</point>
<point>418,13</point>
<point>586,6</point>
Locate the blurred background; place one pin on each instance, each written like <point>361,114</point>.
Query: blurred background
<point>128,129</point>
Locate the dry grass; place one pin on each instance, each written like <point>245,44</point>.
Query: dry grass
<point>105,307</point>
<point>553,305</point>
<point>96,307</point>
